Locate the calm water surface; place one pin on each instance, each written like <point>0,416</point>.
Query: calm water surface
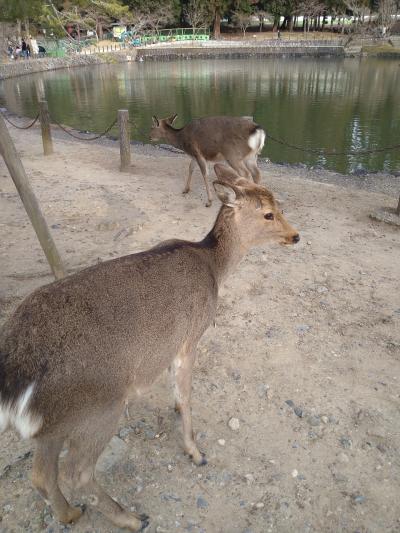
<point>334,104</point>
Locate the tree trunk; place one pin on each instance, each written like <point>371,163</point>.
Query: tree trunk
<point>291,22</point>
<point>78,31</point>
<point>217,24</point>
<point>19,31</point>
<point>27,31</point>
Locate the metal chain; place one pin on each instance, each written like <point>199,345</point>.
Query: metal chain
<point>269,136</point>
<point>20,127</point>
<point>323,152</point>
<point>83,138</point>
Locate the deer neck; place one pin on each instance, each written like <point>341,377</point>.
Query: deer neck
<point>225,244</point>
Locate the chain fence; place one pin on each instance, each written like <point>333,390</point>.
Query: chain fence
<point>316,151</point>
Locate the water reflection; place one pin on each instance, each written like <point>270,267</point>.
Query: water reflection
<point>337,104</point>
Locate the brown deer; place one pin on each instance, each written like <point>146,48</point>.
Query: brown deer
<point>76,349</point>
<point>236,140</point>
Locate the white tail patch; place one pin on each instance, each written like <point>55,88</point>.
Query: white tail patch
<point>256,140</point>
<point>18,415</point>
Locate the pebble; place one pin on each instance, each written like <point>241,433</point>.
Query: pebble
<point>299,412</point>
<point>325,419</point>
<point>234,424</point>
<point>345,442</point>
<point>221,442</point>
<point>201,503</point>
<point>358,498</point>
<point>169,468</point>
<point>290,403</point>
<point>263,390</point>
<point>249,478</point>
<point>314,420</point>
<point>259,505</point>
<point>295,473</point>
<point>124,432</point>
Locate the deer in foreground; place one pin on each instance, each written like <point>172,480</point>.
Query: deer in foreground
<point>76,349</point>
<point>236,140</point>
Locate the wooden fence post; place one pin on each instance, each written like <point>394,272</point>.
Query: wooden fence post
<point>45,125</point>
<point>18,174</point>
<point>124,139</point>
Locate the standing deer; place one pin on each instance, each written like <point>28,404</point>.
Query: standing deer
<point>236,140</point>
<point>76,349</point>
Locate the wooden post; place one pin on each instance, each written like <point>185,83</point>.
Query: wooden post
<point>45,125</point>
<point>18,174</point>
<point>124,139</point>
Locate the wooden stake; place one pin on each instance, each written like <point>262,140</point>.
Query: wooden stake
<point>124,139</point>
<point>18,174</point>
<point>45,125</point>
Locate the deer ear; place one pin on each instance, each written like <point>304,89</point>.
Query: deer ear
<point>170,120</point>
<point>224,173</point>
<point>156,122</point>
<point>226,194</point>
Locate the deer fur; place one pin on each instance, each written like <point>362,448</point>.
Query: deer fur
<point>75,350</point>
<point>236,140</point>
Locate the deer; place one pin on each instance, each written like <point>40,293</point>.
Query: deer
<point>76,349</point>
<point>236,140</point>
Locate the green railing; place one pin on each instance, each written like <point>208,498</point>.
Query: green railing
<point>167,35</point>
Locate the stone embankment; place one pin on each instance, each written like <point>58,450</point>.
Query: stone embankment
<point>232,50</point>
<point>31,66</point>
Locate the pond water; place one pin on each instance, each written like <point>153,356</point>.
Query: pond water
<point>331,104</point>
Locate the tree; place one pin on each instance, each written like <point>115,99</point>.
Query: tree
<point>197,14</point>
<point>242,19</point>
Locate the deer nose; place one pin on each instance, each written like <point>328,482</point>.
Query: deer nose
<point>295,238</point>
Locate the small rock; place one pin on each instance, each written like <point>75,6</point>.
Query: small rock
<point>169,468</point>
<point>249,478</point>
<point>113,454</point>
<point>295,473</point>
<point>236,375</point>
<point>259,505</point>
<point>299,412</point>
<point>124,432</point>
<point>314,421</point>
<point>234,424</point>
<point>221,442</point>
<point>324,419</point>
<point>262,390</point>
<point>201,503</point>
<point>150,434</point>
<point>358,498</point>
<point>345,442</point>
<point>309,243</point>
<point>290,403</point>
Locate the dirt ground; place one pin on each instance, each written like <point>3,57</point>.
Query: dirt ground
<point>305,352</point>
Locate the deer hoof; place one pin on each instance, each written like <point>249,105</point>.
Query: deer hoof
<point>185,191</point>
<point>73,515</point>
<point>145,523</point>
<point>208,204</point>
<point>199,460</point>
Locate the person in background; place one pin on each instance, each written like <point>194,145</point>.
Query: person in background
<point>24,51</point>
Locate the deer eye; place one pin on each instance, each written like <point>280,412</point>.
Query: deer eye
<point>269,216</point>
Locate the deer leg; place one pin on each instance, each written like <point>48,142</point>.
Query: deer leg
<point>181,370</point>
<point>189,178</point>
<point>87,443</point>
<point>251,164</point>
<point>45,478</point>
<point>240,168</point>
<point>204,171</point>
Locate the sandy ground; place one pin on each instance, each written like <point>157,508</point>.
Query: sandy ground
<point>305,353</point>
